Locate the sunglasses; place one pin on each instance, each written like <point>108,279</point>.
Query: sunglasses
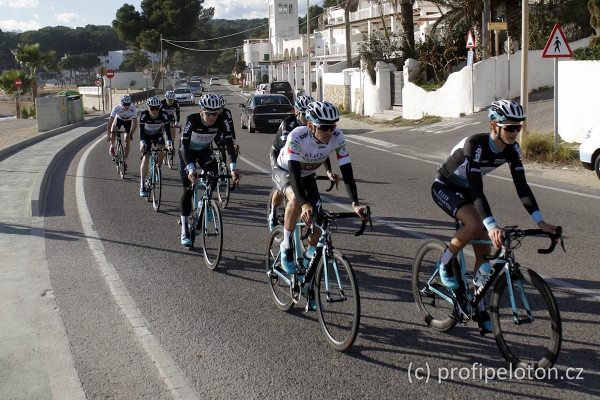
<point>154,108</point>
<point>327,128</point>
<point>211,114</point>
<point>511,128</point>
<point>126,104</point>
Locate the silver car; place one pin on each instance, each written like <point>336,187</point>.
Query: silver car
<point>184,95</point>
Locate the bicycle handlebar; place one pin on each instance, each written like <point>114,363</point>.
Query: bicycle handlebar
<point>326,178</point>
<point>151,150</point>
<point>333,216</point>
<point>512,232</point>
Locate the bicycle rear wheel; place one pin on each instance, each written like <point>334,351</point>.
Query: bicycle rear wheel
<point>212,234</point>
<point>223,185</point>
<point>534,342</point>
<point>156,188</point>
<point>170,155</point>
<point>120,160</point>
<point>428,289</point>
<point>280,290</point>
<point>338,301</point>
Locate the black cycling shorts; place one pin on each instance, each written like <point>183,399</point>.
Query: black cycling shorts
<point>281,180</point>
<point>121,123</point>
<point>450,198</point>
<point>204,158</point>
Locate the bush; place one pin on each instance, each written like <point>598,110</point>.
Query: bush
<point>28,112</point>
<point>587,53</point>
<point>540,147</point>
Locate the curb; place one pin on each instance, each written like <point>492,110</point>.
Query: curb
<point>15,148</point>
<point>41,182</point>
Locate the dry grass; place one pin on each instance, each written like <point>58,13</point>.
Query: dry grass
<point>539,147</point>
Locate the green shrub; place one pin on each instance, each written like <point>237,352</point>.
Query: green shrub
<point>540,147</point>
<point>587,53</point>
<point>28,112</point>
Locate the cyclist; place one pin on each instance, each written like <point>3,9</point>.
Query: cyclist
<point>199,132</point>
<point>226,119</point>
<point>154,122</point>
<point>306,148</point>
<point>458,190</point>
<point>170,105</point>
<point>288,125</point>
<point>122,115</point>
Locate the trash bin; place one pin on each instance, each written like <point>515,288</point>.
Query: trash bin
<point>74,108</point>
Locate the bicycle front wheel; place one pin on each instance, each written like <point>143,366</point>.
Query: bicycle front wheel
<point>338,301</point>
<point>212,234</point>
<point>156,188</point>
<point>433,299</point>
<point>223,187</point>
<point>120,160</point>
<point>530,335</point>
<point>280,290</point>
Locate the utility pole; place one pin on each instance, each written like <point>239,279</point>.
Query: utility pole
<point>160,69</point>
<point>308,84</point>
<point>270,42</point>
<point>485,33</point>
<point>524,59</point>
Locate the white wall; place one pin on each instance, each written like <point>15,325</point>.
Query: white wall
<point>578,100</point>
<point>121,80</point>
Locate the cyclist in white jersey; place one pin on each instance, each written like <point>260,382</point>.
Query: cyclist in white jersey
<point>306,148</point>
<point>122,115</point>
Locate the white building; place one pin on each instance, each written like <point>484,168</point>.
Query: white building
<point>114,59</point>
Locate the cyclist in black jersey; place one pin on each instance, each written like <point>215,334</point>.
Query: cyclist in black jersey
<point>288,125</point>
<point>198,134</point>
<point>170,105</point>
<point>153,123</point>
<point>226,119</point>
<point>458,190</point>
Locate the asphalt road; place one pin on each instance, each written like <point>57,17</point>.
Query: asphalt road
<point>222,329</point>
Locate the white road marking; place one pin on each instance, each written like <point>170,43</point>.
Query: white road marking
<point>167,368</point>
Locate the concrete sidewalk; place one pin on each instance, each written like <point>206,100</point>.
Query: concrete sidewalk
<point>35,355</point>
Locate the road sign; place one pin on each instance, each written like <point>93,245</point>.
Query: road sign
<point>557,45</point>
<point>110,73</point>
<point>470,41</point>
<point>146,72</point>
<point>497,26</point>
<point>18,82</point>
<point>98,82</point>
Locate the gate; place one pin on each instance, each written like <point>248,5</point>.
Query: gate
<point>397,80</point>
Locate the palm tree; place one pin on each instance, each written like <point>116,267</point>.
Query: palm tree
<point>32,59</point>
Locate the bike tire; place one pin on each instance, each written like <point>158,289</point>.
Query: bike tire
<point>278,288</point>
<point>170,155</point>
<point>339,308</point>
<point>120,160</point>
<point>223,185</point>
<point>437,312</point>
<point>530,345</point>
<point>156,188</point>
<point>212,235</point>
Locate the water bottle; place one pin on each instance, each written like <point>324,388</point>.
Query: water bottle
<point>482,275</point>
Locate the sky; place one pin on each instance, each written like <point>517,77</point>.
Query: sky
<point>24,15</point>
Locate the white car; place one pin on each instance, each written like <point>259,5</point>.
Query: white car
<point>262,88</point>
<point>184,95</point>
<point>589,150</point>
<point>214,81</point>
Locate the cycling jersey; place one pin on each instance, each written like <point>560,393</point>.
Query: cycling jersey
<point>173,110</point>
<point>119,112</point>
<point>226,119</point>
<point>287,125</point>
<point>151,127</point>
<point>471,159</point>
<point>197,136</point>
<point>302,146</point>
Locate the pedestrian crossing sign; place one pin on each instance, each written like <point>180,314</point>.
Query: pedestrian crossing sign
<point>557,45</point>
<point>470,41</point>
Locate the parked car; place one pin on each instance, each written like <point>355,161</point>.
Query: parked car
<point>262,88</point>
<point>184,95</point>
<point>589,151</point>
<point>214,81</point>
<point>281,87</point>
<point>264,112</point>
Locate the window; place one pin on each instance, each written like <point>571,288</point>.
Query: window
<point>290,8</point>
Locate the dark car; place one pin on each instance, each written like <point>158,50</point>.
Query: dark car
<point>281,87</point>
<point>197,88</point>
<point>264,112</point>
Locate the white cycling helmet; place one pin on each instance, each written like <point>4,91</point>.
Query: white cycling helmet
<point>153,102</point>
<point>302,102</point>
<point>170,95</point>
<point>126,99</point>
<point>322,113</point>
<point>210,102</point>
<point>223,101</point>
<point>502,110</point>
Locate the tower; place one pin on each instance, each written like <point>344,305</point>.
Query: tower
<point>283,22</point>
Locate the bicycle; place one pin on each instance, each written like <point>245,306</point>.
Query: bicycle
<point>327,277</point>
<point>119,157</point>
<point>224,185</point>
<point>170,153</point>
<point>208,224</point>
<point>520,299</point>
<point>153,182</point>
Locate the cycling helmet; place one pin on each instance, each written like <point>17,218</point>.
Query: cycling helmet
<point>223,101</point>
<point>170,95</point>
<point>210,102</point>
<point>302,102</point>
<point>322,113</point>
<point>153,102</point>
<point>126,99</point>
<point>501,110</point>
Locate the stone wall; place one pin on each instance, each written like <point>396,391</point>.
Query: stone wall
<point>338,95</point>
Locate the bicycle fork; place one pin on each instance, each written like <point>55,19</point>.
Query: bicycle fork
<point>511,293</point>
